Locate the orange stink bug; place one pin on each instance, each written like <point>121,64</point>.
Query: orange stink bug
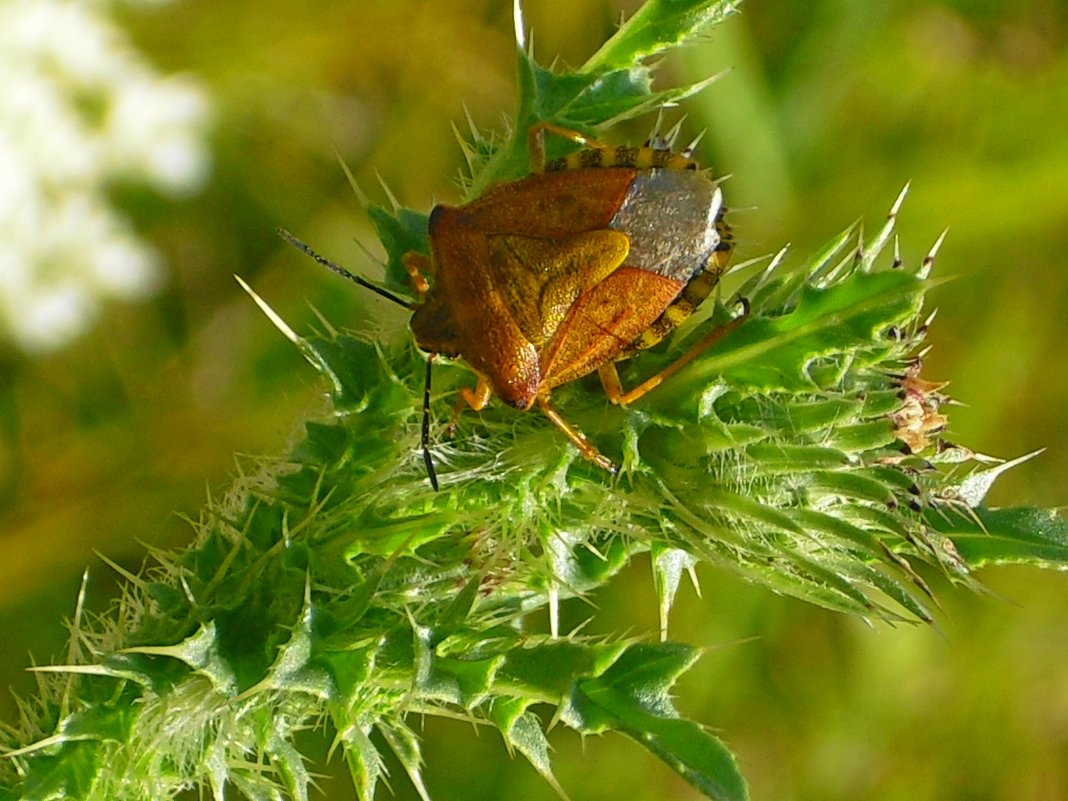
<point>541,281</point>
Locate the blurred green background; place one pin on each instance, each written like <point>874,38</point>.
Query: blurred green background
<point>825,110</point>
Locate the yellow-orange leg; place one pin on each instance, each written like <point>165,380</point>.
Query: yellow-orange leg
<point>417,265</point>
<point>613,387</point>
<point>576,436</point>
<point>479,397</point>
<point>536,141</point>
<point>476,398</point>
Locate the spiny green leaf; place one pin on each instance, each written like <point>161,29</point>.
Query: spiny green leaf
<point>633,699</point>
<point>289,763</point>
<point>615,84</point>
<point>547,671</point>
<point>774,353</point>
<point>657,26</point>
<point>1004,536</point>
<point>405,745</point>
<point>522,732</point>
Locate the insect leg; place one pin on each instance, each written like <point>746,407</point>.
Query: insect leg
<point>417,265</point>
<point>536,141</point>
<point>609,376</point>
<point>613,388</point>
<point>476,398</point>
<point>576,436</point>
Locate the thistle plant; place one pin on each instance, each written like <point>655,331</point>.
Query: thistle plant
<point>332,588</point>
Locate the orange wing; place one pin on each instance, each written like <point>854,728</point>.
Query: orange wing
<point>509,268</point>
<point>540,279</point>
<point>551,205</point>
<point>604,321</point>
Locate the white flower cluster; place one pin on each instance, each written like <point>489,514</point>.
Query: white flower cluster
<point>80,108</point>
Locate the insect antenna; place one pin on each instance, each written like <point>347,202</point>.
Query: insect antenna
<point>428,460</point>
<point>337,268</point>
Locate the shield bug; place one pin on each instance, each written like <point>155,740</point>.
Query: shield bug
<point>585,262</point>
